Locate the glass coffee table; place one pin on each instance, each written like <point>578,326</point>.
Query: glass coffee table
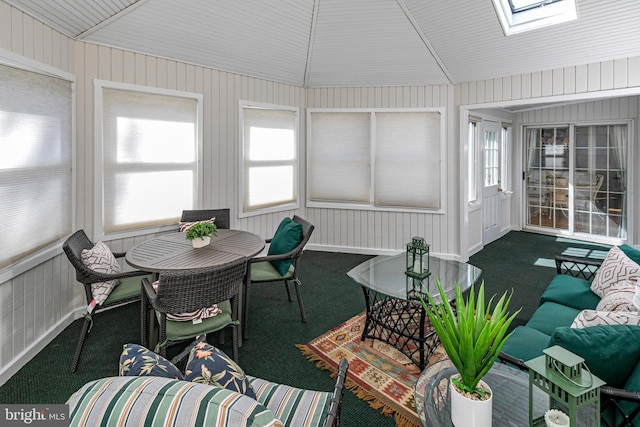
<point>394,314</point>
<point>510,388</point>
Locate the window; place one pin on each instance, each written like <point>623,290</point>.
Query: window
<point>375,159</point>
<point>517,16</point>
<point>147,167</point>
<point>36,161</point>
<point>269,158</point>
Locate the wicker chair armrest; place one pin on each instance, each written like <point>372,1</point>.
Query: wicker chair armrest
<point>577,267</point>
<point>507,358</point>
<point>119,254</point>
<point>288,255</point>
<point>335,407</point>
<point>149,291</point>
<point>95,276</point>
<point>268,240</point>
<point>620,394</point>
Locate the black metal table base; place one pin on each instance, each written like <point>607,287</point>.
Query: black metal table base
<point>402,324</point>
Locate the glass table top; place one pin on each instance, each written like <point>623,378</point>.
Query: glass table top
<point>385,274</point>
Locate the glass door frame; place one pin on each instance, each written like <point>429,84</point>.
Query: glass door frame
<point>571,189</point>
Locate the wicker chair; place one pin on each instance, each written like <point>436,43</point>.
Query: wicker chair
<point>260,271</point>
<point>127,291</point>
<point>189,290</point>
<point>222,216</point>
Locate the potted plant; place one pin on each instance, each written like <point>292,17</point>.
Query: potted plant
<point>200,233</point>
<point>472,335</point>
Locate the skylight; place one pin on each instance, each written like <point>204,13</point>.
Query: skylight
<point>517,16</point>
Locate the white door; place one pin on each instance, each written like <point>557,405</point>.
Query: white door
<point>491,155</point>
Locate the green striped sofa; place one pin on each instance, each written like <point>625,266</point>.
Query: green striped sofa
<point>158,401</point>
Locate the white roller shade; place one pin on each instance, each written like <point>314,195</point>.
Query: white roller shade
<point>36,141</point>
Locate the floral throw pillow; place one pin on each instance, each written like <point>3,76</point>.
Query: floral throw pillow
<point>138,361</point>
<point>209,365</point>
<point>101,259</point>
<point>615,268</point>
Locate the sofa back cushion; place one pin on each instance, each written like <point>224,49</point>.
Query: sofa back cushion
<point>570,291</point>
<point>611,352</point>
<point>135,401</point>
<point>631,252</point>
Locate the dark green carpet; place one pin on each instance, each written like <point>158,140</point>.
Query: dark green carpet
<point>519,261</point>
<point>524,262</point>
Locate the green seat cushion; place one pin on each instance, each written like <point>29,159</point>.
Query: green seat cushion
<point>570,291</point>
<point>610,351</point>
<point>266,272</point>
<point>526,343</point>
<point>177,331</point>
<point>288,235</point>
<point>550,316</point>
<point>127,289</point>
<point>293,406</point>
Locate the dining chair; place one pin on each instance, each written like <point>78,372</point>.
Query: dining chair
<point>222,216</point>
<point>280,264</point>
<point>127,291</point>
<point>184,291</point>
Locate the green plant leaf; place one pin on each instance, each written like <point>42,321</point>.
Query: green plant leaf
<point>472,333</point>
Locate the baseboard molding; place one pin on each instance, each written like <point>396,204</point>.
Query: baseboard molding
<point>352,250</point>
<point>36,347</point>
<point>371,251</point>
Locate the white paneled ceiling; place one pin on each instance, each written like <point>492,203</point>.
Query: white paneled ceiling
<point>319,43</point>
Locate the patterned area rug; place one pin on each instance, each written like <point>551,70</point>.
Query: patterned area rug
<point>378,373</point>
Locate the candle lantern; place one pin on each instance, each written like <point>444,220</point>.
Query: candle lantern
<point>417,256</point>
<point>560,374</point>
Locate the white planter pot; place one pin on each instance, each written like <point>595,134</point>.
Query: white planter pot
<point>199,242</point>
<point>467,412</point>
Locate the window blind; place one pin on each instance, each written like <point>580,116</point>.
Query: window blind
<point>36,141</point>
<point>340,157</point>
<point>383,159</point>
<point>150,158</point>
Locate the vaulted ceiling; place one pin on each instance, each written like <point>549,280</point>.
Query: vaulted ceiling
<point>324,43</point>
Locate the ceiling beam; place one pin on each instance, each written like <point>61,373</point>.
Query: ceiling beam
<point>425,40</point>
<point>312,34</point>
<point>112,18</point>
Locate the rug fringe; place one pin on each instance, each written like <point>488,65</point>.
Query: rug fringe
<point>372,401</point>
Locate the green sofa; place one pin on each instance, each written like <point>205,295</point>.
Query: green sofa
<point>611,352</point>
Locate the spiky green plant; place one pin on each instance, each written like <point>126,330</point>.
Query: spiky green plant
<point>471,334</point>
<point>201,229</point>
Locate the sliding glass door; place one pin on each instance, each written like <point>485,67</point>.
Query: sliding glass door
<point>576,180</point>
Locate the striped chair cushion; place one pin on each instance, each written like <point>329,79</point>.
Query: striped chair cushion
<point>293,406</point>
<point>156,401</point>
